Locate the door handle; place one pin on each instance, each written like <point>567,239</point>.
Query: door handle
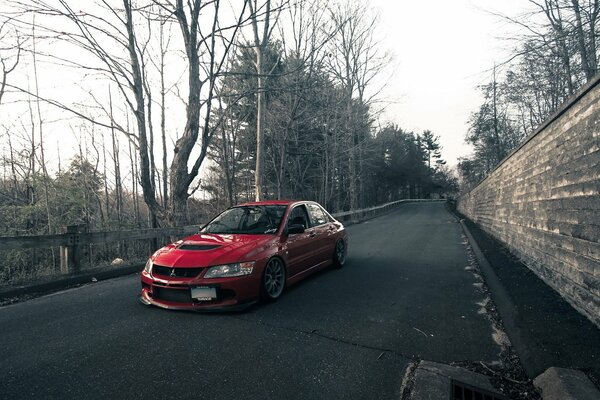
<point>312,234</point>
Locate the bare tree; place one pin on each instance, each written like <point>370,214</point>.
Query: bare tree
<point>304,39</point>
<point>106,32</point>
<point>586,41</point>
<point>574,27</point>
<point>554,14</point>
<point>268,16</point>
<point>116,164</point>
<point>40,120</point>
<point>10,53</point>
<point>356,59</point>
<point>164,42</point>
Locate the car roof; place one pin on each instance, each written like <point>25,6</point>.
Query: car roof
<point>268,203</point>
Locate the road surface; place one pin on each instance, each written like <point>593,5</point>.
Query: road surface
<point>406,293</point>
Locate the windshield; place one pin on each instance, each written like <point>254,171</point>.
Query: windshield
<point>247,220</point>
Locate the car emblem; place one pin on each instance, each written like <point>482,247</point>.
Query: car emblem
<point>172,272</point>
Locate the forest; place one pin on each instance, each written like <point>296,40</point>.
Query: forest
<point>283,115</point>
<point>128,114</point>
<point>556,54</point>
<point>168,112</point>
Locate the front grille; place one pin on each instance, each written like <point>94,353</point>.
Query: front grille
<point>176,272</point>
<point>198,246</point>
<point>174,295</point>
<point>462,391</point>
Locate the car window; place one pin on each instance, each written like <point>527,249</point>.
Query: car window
<point>299,216</point>
<point>247,220</point>
<point>317,215</point>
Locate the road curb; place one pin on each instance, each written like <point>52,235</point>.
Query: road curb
<point>565,384</point>
<point>555,383</point>
<point>89,276</point>
<point>434,381</point>
<point>501,297</point>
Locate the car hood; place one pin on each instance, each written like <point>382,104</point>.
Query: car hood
<point>204,250</point>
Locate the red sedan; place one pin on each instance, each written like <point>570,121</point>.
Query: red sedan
<point>248,252</point>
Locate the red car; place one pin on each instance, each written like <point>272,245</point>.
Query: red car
<point>248,252</point>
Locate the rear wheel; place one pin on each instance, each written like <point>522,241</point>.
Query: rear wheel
<point>339,257</point>
<point>273,281</point>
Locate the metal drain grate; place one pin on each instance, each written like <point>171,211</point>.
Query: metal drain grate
<point>463,391</point>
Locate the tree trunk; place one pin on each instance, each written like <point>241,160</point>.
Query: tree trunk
<point>41,129</point>
<point>352,189</point>
<point>226,167</point>
<point>117,166</point>
<point>137,87</point>
<point>163,133</point>
<point>260,115</point>
<point>585,62</point>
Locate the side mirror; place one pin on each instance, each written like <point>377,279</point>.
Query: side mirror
<point>295,228</point>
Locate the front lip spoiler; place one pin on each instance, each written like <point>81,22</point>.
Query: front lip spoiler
<point>236,307</point>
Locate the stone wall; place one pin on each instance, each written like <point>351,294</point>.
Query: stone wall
<point>543,201</point>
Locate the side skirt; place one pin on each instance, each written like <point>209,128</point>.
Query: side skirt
<point>301,275</point>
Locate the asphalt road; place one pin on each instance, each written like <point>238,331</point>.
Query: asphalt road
<point>406,293</point>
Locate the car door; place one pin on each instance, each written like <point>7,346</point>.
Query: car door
<point>300,246</point>
<point>323,240</point>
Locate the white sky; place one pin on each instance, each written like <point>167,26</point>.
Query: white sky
<point>443,50</point>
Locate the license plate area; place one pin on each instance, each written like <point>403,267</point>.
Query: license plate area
<point>204,293</point>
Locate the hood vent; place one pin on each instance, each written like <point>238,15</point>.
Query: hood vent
<point>198,246</point>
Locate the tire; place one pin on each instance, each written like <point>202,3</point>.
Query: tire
<point>339,254</point>
<point>273,280</point>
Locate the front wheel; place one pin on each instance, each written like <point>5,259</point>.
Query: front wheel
<point>339,257</point>
<point>273,281</point>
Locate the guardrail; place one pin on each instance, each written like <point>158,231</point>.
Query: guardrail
<point>75,238</point>
<point>357,215</point>
<point>366,213</point>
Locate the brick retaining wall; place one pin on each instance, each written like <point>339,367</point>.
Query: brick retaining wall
<point>543,201</point>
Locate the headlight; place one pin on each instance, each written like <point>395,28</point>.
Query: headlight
<point>229,270</point>
<point>148,266</point>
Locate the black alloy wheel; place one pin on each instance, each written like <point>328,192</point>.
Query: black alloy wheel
<point>339,258</point>
<point>273,281</point>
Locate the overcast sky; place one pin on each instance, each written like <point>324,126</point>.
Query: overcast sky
<point>443,50</point>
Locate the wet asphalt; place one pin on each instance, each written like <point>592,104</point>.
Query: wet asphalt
<point>406,293</point>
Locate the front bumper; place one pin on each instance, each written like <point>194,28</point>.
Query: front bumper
<point>145,300</point>
<point>232,293</point>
